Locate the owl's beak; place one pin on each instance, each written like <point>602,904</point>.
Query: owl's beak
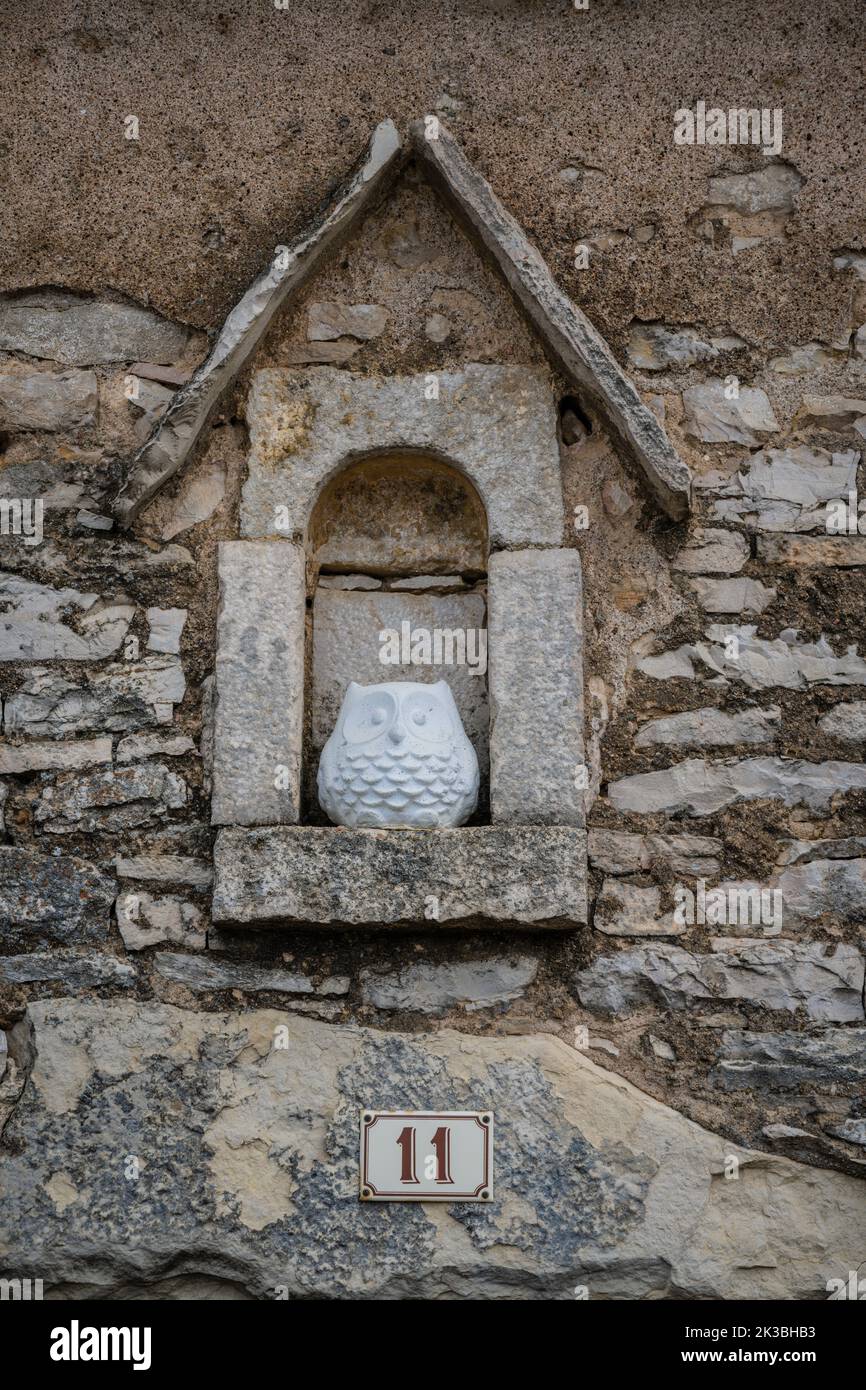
<point>397,733</point>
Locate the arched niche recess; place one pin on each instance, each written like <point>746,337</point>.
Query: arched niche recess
<point>458,449</point>
<point>397,554</point>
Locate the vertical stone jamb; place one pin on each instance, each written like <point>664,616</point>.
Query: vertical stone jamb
<point>535,671</point>
<point>259,684</point>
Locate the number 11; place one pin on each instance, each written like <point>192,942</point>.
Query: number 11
<point>441,1142</point>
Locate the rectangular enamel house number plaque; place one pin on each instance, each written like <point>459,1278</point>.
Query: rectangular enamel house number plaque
<point>426,1156</point>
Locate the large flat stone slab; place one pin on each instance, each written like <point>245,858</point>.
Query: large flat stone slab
<point>497,424</point>
<point>471,876</point>
<point>248,1171</point>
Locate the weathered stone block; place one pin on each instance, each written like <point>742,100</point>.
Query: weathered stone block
<point>847,722</point>
<point>145,920</point>
<point>716,419</point>
<point>833,888</point>
<point>700,788</point>
<point>201,492</point>
<point>496,423</point>
<point>166,626</point>
<point>204,973</point>
<point>83,332</point>
<point>733,595</point>
<point>772,188</point>
<point>51,897</point>
<point>844,552</point>
<point>628,909</point>
<point>137,747</point>
<point>712,550</point>
<point>259,684</point>
<point>349,581</point>
<point>119,799</point>
<point>73,968</point>
<point>175,869</point>
<point>760,663</point>
<point>784,975</point>
<point>325,322</point>
<point>47,400</point>
<point>129,695</point>
<point>34,625</point>
<point>852,1131</point>
<point>831,412</point>
<point>474,875</point>
<point>429,989</point>
<point>668,666</point>
<point>654,347</point>
<point>50,755</point>
<point>536,687</point>
<point>622,852</point>
<point>787,489</point>
<point>711,728</point>
<point>784,1061</point>
<point>805,359</point>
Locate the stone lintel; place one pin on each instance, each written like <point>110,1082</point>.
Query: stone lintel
<point>567,333</point>
<point>496,424</point>
<point>258,723</point>
<point>473,876</point>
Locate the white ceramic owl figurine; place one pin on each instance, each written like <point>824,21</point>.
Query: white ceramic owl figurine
<point>398,759</point>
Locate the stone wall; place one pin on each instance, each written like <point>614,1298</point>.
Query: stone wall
<point>725,703</point>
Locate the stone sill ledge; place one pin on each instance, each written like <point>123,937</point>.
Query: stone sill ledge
<point>477,876</point>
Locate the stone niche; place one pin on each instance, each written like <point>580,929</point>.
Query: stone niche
<point>397,545</point>
<point>386,506</point>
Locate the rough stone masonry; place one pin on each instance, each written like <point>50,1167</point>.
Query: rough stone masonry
<point>723,664</point>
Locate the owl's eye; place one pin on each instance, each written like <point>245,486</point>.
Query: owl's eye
<point>367,716</point>
<point>427,716</point>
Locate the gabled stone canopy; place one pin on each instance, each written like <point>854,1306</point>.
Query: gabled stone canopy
<point>566,334</point>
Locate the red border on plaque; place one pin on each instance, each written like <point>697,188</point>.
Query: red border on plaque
<point>427,1115</point>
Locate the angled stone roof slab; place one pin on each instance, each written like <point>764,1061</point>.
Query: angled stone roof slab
<point>566,333</point>
<point>168,447</point>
